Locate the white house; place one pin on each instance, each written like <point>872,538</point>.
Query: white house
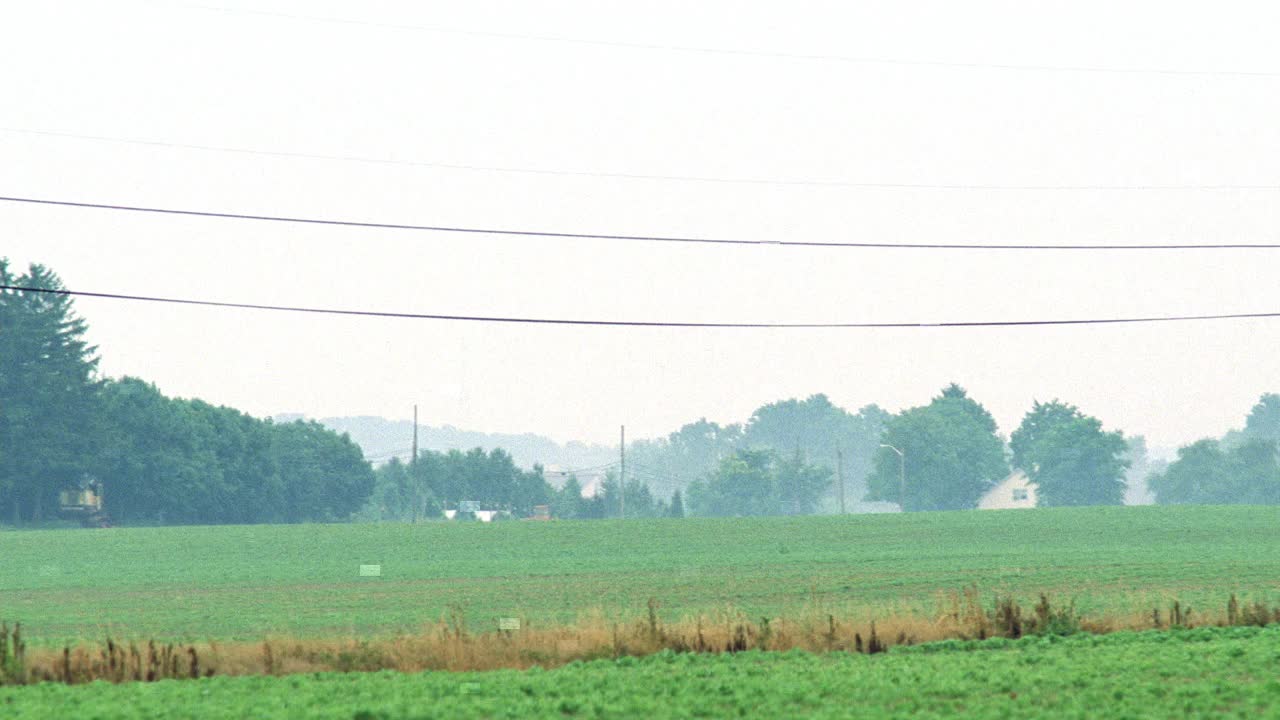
<point>1013,492</point>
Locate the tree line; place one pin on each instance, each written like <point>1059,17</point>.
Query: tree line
<point>168,460</point>
<point>836,442</point>
<point>159,460</point>
<point>437,481</point>
<point>1243,467</point>
<point>440,481</point>
<point>791,456</point>
<point>947,455</point>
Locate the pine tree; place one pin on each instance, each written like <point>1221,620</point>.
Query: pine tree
<point>677,505</point>
<point>48,392</point>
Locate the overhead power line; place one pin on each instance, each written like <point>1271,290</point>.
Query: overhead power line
<point>571,471</point>
<point>808,57</point>
<point>643,323</point>
<point>633,238</point>
<point>386,456</point>
<point>799,182</point>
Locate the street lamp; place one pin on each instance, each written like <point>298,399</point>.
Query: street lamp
<point>902,476</point>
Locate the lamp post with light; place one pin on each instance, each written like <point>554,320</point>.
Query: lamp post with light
<point>902,476</point>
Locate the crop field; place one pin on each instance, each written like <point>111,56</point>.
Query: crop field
<point>1206,672</point>
<point>250,582</point>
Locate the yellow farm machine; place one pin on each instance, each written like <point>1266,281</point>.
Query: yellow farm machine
<point>85,505</point>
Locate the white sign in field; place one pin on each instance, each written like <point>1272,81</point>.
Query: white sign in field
<point>509,624</point>
<point>370,571</point>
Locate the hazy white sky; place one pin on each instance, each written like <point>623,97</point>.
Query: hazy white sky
<point>453,91</point>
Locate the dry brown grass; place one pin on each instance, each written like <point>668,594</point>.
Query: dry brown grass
<point>448,645</point>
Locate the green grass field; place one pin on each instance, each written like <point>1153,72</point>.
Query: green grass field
<point>198,583</point>
<point>1208,672</point>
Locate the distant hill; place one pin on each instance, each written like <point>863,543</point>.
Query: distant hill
<point>382,439</point>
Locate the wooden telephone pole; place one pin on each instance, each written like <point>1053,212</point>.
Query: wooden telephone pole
<point>622,474</point>
<point>413,459</point>
<point>413,467</point>
<point>840,476</point>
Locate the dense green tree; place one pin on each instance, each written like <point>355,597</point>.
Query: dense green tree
<point>639,500</point>
<point>421,496</point>
<point>743,484</point>
<point>439,480</point>
<point>609,492</point>
<point>1069,457</point>
<point>402,491</point>
<point>1207,473</point>
<point>815,426</point>
<point>324,475</point>
<point>677,506</point>
<point>1255,467</point>
<point>252,490</point>
<point>1263,422</point>
<point>952,455</point>
<point>759,482</point>
<point>159,460</point>
<point>820,430</point>
<point>567,502</point>
<point>445,474</point>
<point>531,489</point>
<point>799,484</point>
<point>393,497</point>
<point>498,482</point>
<point>156,459</point>
<point>1199,475</point>
<point>171,461</point>
<point>593,507</point>
<point>685,455</point>
<point>48,395</point>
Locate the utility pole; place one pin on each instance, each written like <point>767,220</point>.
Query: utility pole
<point>840,476</point>
<point>413,460</point>
<point>902,480</point>
<point>622,474</point>
<point>413,468</point>
<point>902,476</point>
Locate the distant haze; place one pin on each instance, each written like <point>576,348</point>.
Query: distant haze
<point>383,439</point>
<point>461,94</point>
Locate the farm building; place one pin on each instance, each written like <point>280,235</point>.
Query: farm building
<point>1015,491</point>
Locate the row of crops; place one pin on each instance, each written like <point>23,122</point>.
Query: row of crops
<point>1206,672</point>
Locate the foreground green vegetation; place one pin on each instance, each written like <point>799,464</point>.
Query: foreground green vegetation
<point>248,582</point>
<point>1211,672</point>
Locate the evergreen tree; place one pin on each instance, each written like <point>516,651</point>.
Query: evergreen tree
<point>567,503</point>
<point>48,395</point>
<point>677,506</point>
<point>392,497</point>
